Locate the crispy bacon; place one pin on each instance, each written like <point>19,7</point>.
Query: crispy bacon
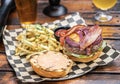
<point>90,37</point>
<point>73,29</point>
<point>70,31</point>
<point>62,39</point>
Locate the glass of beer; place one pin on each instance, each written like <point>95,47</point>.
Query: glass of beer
<point>27,11</point>
<point>104,5</point>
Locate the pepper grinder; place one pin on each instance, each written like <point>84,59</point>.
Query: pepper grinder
<point>55,9</point>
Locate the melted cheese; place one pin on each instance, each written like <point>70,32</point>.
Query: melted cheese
<point>75,37</point>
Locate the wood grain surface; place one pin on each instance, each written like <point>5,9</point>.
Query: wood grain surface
<point>109,74</point>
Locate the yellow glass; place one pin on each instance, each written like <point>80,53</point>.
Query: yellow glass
<point>104,5</point>
<point>27,11</point>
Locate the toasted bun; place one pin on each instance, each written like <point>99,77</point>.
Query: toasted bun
<point>46,72</point>
<point>50,74</point>
<point>88,59</point>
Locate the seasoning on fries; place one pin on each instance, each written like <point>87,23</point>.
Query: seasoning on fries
<point>36,38</point>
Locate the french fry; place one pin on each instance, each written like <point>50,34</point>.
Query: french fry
<point>36,39</point>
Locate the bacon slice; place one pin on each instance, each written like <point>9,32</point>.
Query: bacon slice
<point>73,29</point>
<point>90,37</point>
<point>70,31</point>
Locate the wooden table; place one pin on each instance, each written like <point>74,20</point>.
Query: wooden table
<point>109,74</point>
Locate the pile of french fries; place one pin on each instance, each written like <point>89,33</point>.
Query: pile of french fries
<point>36,38</point>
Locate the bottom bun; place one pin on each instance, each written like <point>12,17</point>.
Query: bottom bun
<point>88,59</point>
<point>48,72</point>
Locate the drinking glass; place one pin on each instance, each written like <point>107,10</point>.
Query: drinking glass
<point>27,11</point>
<point>104,5</point>
<point>55,9</point>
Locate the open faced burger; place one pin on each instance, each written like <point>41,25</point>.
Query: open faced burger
<point>82,43</point>
<point>51,64</point>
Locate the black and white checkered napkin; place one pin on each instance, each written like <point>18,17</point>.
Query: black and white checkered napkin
<point>23,68</point>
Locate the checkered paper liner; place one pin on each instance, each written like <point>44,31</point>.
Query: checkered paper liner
<point>23,69</point>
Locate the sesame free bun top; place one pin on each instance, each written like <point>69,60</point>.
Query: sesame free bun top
<point>51,64</point>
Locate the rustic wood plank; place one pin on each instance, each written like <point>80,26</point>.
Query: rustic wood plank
<point>1,46</point>
<point>111,32</point>
<point>10,78</point>
<point>85,82</point>
<point>7,78</point>
<point>108,32</point>
<point>85,7</point>
<point>80,5</point>
<point>89,18</point>
<point>4,65</point>
<point>91,79</point>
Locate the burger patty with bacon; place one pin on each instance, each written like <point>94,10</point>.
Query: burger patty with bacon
<point>82,43</point>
